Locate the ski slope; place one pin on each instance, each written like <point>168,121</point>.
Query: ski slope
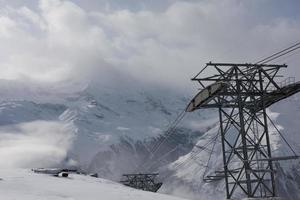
<point>22,184</point>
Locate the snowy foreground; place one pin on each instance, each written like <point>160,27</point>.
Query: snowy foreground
<point>25,185</point>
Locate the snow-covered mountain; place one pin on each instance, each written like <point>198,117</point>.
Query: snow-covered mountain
<point>114,127</point>
<point>111,127</point>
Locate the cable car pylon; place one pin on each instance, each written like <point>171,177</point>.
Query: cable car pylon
<point>241,92</point>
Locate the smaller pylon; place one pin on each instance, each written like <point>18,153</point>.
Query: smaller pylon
<point>142,181</point>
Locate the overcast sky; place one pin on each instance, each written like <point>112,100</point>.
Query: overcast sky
<point>161,41</point>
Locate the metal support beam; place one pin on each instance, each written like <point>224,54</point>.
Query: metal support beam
<point>249,90</point>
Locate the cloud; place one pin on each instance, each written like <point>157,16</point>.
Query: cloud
<point>34,144</point>
<point>61,40</point>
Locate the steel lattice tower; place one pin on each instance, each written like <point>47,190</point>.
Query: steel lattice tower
<point>241,93</point>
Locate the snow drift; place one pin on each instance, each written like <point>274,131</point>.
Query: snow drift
<point>25,185</point>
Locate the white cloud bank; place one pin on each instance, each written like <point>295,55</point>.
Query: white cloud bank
<point>34,144</point>
<point>61,40</point>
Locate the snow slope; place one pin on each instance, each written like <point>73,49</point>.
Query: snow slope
<point>21,184</point>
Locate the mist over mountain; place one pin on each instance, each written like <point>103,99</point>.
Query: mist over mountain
<point>95,85</point>
<point>117,119</point>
